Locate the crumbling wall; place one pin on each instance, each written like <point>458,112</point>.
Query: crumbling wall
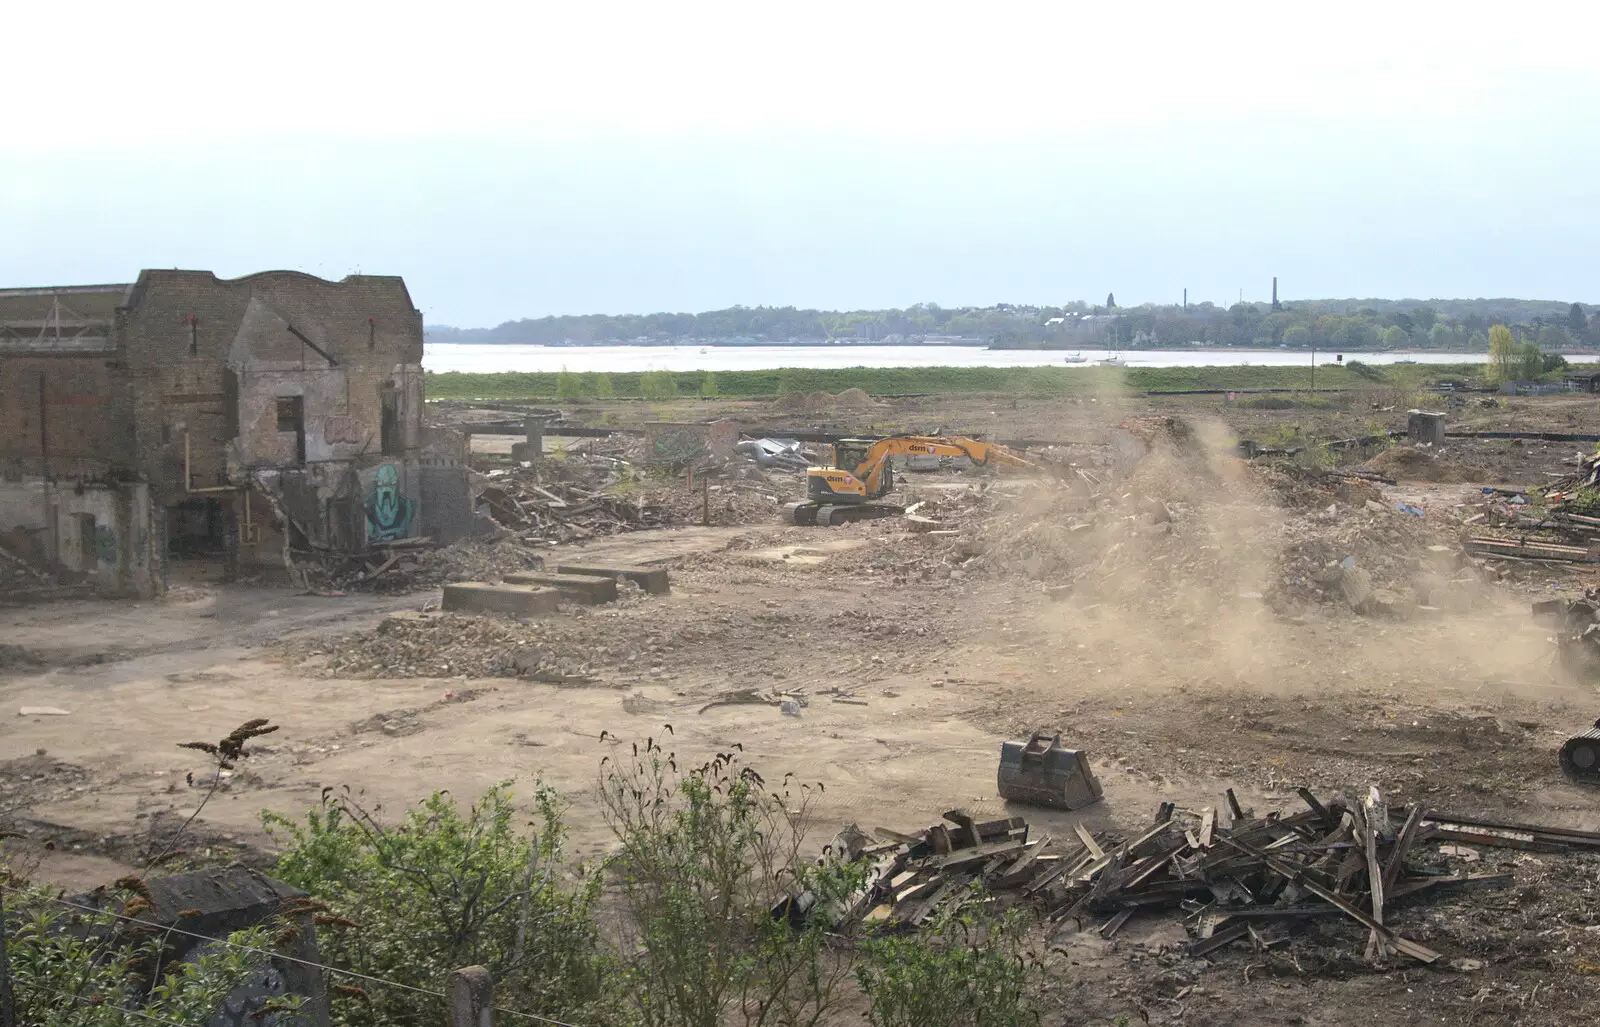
<point>678,443</point>
<point>97,532</point>
<point>307,390</point>
<point>445,487</point>
<point>209,359</point>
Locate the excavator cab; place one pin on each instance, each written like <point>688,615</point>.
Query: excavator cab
<point>852,455</point>
<point>846,481</point>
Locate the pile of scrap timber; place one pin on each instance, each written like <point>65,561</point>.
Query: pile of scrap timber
<point>1231,876</point>
<point>1564,527</point>
<point>561,511</point>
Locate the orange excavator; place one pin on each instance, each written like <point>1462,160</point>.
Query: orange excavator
<point>863,471</point>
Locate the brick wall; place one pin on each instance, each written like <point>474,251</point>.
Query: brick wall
<point>79,431</point>
<point>210,358</point>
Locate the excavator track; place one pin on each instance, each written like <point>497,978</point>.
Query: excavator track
<point>829,514</point>
<point>1580,757</point>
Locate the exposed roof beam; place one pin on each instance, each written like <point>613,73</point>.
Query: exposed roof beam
<point>298,334</point>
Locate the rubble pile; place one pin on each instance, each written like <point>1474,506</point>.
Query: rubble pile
<point>588,494</point>
<point>545,501</point>
<point>1368,557</point>
<point>22,565</point>
<point>444,646</point>
<point>1229,875</point>
<point>1559,523</point>
<point>396,568</point>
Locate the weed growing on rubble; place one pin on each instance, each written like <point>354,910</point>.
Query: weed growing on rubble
<point>708,862</point>
<point>443,889</point>
<point>965,971</point>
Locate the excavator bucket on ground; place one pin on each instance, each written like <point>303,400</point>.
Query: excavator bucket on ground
<point>1580,757</point>
<point>1042,773</point>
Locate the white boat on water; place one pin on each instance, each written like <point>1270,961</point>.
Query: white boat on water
<point>1077,358</point>
<point>1114,360</point>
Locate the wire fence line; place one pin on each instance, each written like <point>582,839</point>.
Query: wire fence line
<point>311,964</point>
<point>79,1000</point>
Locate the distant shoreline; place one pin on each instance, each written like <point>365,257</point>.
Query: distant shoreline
<point>972,345</point>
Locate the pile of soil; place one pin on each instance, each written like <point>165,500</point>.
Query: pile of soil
<point>1404,463</point>
<point>853,399</point>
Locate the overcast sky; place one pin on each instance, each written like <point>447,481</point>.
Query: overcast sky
<point>526,159</point>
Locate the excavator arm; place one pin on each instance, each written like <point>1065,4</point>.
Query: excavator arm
<point>871,470</point>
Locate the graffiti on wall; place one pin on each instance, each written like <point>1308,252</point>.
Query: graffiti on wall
<point>389,512</point>
<point>337,428</point>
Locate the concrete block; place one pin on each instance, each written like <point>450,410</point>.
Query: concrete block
<point>651,579</point>
<point>216,902</point>
<point>514,600</point>
<point>589,589</point>
<point>1425,426</point>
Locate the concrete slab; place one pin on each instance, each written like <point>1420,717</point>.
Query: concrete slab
<point>515,600</point>
<point>589,589</point>
<point>651,579</point>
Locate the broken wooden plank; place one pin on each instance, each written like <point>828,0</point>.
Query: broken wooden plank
<point>1088,841</point>
<point>979,854</point>
<point>1024,863</point>
<point>968,831</point>
<point>1110,928</point>
<point>1402,845</point>
<point>1233,805</point>
<point>1373,810</point>
<point>1218,940</point>
<point>990,829</point>
<point>1208,828</point>
<point>1464,882</point>
<point>1318,808</point>
<point>1416,951</point>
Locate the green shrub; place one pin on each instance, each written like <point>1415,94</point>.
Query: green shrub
<point>568,387</point>
<point>704,858</point>
<point>443,889</point>
<point>77,969</point>
<point>961,972</point>
<point>658,385</point>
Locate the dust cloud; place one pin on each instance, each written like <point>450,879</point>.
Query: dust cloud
<point>1176,565</point>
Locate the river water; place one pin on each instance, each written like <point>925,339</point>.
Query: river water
<point>489,358</point>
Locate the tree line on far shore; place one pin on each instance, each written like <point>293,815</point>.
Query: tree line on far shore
<point>1339,324</point>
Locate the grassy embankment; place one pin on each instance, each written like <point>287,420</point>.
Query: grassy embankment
<point>901,381</point>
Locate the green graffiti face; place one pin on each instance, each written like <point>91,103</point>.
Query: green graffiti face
<point>388,511</point>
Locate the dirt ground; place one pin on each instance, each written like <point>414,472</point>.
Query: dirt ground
<point>1187,652</point>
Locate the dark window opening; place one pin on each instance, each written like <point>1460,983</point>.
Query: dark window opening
<point>292,417</point>
<point>86,542</point>
<point>372,333</point>
<point>230,403</point>
<point>194,336</point>
<point>389,427</point>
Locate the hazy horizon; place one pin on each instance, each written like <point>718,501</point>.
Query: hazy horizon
<point>1418,301</point>
<point>631,158</point>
